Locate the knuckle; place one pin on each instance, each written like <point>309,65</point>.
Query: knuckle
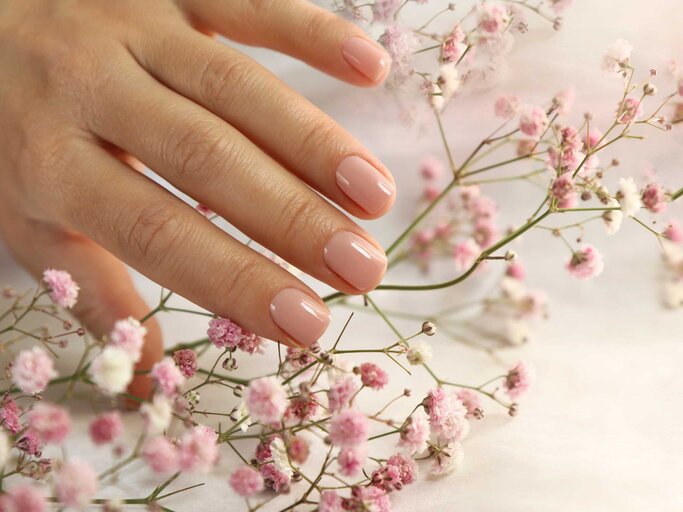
<point>199,151</point>
<point>223,75</point>
<point>300,214</point>
<point>318,132</point>
<point>233,286</point>
<point>319,24</point>
<point>154,232</point>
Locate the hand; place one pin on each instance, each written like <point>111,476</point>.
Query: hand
<point>91,88</point>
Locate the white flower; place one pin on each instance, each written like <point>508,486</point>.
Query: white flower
<point>449,80</point>
<point>157,415</point>
<point>673,294</point>
<point>278,453</point>
<point>673,253</point>
<point>513,288</point>
<point>448,459</point>
<point>517,332</point>
<point>112,370</point>
<point>628,196</point>
<point>240,413</point>
<point>436,98</point>
<point>612,218</point>
<point>4,449</point>
<point>618,55</point>
<point>419,353</point>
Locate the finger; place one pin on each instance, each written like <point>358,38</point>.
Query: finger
<point>300,29</point>
<point>216,165</point>
<point>165,239</point>
<point>272,115</point>
<point>106,292</point>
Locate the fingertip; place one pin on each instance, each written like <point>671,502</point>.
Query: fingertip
<point>374,191</point>
<point>367,58</point>
<point>302,317</point>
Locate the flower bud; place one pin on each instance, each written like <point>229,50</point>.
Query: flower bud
<point>510,255</point>
<point>649,89</point>
<point>429,328</point>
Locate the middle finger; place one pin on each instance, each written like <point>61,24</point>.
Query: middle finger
<point>215,164</point>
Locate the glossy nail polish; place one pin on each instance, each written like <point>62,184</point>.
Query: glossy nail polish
<point>366,57</point>
<point>355,260</point>
<point>301,316</point>
<point>364,184</point>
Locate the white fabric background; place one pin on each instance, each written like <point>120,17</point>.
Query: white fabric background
<point>602,429</point>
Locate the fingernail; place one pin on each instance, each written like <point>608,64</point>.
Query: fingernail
<point>299,315</point>
<point>355,260</point>
<point>366,57</point>
<point>364,184</point>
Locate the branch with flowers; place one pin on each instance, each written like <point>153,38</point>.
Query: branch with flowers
<point>303,427</point>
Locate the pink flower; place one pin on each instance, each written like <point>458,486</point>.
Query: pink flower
<point>246,481</point>
<point>585,263</point>
<point>204,210</point>
<point>75,484</point>
<point>453,47</point>
<point>564,100</point>
<point>341,391</point>
<point>397,472</point>
<point>198,450</point>
<point>24,498</point>
<point>298,449</point>
<point>506,106</point>
<point>61,287</point>
<point>533,121</point>
<point>128,335</point>
<point>515,270</point>
<point>370,499</point>
<point>400,43</point>
<point>631,110</point>
<point>431,168</point>
<point>466,253</point>
<point>383,10</point>
<point>559,6</point>
<point>9,415</point>
<point>349,428</point>
<point>330,502</point>
<point>274,478</point>
<point>493,18</point>
<point>30,443</point>
<point>302,407</point>
<point>674,231</point>
<point>373,376</point>
<point>299,358</point>
<point>51,422</point>
<point>485,232</point>
<point>518,380</point>
<point>351,460</point>
<point>562,187</point>
<point>470,400</point>
<point>167,377</point>
<point>186,360</point>
<point>654,198</point>
<point>224,333</point>
<point>160,455</point>
<point>266,400</point>
<point>415,433</point>
<point>32,370</point>
<point>106,427</point>
<point>447,415</point>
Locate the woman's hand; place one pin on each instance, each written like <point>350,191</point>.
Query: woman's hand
<point>91,88</point>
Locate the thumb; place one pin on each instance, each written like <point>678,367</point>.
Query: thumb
<point>107,293</point>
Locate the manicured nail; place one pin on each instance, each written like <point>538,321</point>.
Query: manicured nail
<point>366,57</point>
<point>355,260</point>
<point>299,315</point>
<point>364,184</point>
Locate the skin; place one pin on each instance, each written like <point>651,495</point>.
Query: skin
<point>94,90</point>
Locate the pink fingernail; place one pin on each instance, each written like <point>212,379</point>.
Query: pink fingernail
<point>366,57</point>
<point>355,260</point>
<point>299,315</point>
<point>364,184</point>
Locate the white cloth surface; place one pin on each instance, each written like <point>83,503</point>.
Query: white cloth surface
<point>602,428</point>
